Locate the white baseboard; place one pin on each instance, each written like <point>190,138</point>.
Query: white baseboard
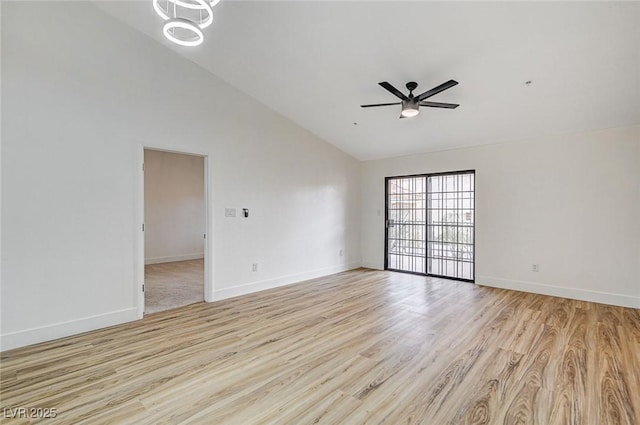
<point>561,291</point>
<point>60,330</point>
<point>372,265</point>
<point>185,257</point>
<point>248,288</point>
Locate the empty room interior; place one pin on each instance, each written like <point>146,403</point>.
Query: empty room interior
<point>303,212</point>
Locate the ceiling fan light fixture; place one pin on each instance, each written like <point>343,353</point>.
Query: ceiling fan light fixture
<point>411,104</point>
<point>409,108</point>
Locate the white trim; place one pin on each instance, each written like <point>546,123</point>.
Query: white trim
<point>139,238</point>
<point>208,243</point>
<point>371,265</point>
<point>248,288</point>
<point>185,257</point>
<point>63,329</point>
<point>561,291</point>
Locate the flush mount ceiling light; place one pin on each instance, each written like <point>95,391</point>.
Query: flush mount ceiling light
<point>185,19</point>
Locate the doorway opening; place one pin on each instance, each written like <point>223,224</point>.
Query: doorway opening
<point>174,229</point>
<point>430,224</point>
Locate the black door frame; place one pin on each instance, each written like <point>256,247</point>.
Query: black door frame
<point>386,224</point>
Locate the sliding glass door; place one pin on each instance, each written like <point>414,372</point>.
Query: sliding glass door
<point>430,224</point>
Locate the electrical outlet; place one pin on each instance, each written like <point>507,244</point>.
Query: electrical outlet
<point>254,267</point>
<point>535,268</point>
<point>341,253</point>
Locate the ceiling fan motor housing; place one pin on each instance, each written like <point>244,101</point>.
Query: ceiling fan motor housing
<point>411,103</point>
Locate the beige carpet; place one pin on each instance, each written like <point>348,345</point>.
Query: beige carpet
<point>171,285</point>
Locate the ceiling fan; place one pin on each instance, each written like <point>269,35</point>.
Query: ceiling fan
<point>411,104</point>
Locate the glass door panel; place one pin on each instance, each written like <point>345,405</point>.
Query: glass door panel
<point>406,214</point>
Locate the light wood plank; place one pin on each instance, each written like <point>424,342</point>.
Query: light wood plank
<point>360,347</point>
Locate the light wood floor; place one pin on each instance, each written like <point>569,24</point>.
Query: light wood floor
<point>360,347</point>
<point>171,285</point>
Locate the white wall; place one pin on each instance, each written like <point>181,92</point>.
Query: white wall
<point>174,209</point>
<point>81,93</point>
<point>569,203</point>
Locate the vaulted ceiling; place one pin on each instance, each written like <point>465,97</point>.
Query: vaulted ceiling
<point>316,62</point>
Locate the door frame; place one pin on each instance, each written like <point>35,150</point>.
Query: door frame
<point>386,223</point>
<point>139,223</point>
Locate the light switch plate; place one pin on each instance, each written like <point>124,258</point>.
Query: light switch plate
<point>229,212</point>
